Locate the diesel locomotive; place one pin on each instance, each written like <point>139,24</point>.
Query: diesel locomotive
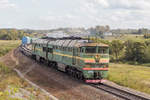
<point>79,57</point>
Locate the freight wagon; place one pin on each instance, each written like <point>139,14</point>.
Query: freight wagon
<point>26,40</point>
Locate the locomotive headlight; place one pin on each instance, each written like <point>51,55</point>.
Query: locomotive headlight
<point>90,72</point>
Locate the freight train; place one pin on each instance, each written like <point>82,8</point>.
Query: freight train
<point>79,57</point>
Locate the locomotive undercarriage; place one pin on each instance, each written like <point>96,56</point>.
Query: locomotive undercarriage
<point>74,72</point>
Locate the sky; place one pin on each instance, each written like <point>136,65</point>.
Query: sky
<point>48,14</point>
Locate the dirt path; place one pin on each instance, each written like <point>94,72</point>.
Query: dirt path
<point>9,59</point>
<point>57,83</point>
<point>14,59</point>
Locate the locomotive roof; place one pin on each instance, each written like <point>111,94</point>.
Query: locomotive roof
<point>92,44</point>
<point>69,43</point>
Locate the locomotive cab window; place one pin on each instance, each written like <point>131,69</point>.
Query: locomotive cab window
<point>103,50</point>
<point>44,49</point>
<point>54,47</point>
<point>50,50</point>
<point>81,50</point>
<point>90,49</point>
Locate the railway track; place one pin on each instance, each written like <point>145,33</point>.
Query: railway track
<point>110,89</point>
<point>120,93</point>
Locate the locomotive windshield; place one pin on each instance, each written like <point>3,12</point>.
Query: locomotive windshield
<point>101,50</point>
<point>90,49</point>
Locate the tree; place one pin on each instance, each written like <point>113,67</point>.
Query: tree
<point>135,51</point>
<point>107,28</point>
<point>143,31</point>
<point>116,47</point>
<point>147,55</point>
<point>147,42</point>
<point>11,34</point>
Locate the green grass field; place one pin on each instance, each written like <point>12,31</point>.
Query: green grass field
<point>132,76</point>
<point>7,45</point>
<point>125,37</point>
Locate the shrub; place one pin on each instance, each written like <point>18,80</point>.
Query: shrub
<point>116,47</point>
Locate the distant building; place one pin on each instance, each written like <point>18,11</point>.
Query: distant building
<point>107,34</point>
<point>57,34</point>
<point>92,31</point>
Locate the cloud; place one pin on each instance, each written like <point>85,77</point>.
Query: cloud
<point>116,13</point>
<point>102,3</point>
<point>123,4</point>
<point>87,13</point>
<point>35,1</point>
<point>6,4</point>
<point>66,20</point>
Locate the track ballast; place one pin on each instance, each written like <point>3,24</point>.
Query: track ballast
<point>120,92</point>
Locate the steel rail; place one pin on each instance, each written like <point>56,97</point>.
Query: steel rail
<point>120,92</point>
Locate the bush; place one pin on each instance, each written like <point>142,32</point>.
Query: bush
<point>147,55</point>
<point>116,48</point>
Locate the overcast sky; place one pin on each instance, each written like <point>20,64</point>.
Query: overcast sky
<point>47,14</point>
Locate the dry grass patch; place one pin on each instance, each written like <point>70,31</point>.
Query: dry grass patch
<point>7,45</point>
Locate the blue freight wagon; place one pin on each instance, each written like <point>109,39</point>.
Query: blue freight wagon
<point>26,40</point>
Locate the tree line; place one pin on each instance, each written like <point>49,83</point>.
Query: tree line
<point>12,34</point>
<point>132,51</point>
<point>131,31</point>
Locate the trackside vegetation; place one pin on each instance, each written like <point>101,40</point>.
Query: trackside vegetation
<point>132,76</point>
<point>12,87</point>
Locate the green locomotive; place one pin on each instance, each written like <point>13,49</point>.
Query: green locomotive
<point>78,57</point>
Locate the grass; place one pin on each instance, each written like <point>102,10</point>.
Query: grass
<point>132,76</point>
<point>8,45</point>
<point>10,83</point>
<point>9,78</point>
<point>125,37</point>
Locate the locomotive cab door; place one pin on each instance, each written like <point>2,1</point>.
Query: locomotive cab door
<point>74,56</point>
